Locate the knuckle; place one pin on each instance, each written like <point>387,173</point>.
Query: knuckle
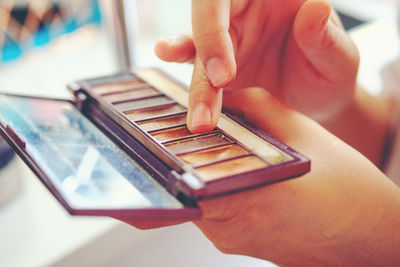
<point>211,34</point>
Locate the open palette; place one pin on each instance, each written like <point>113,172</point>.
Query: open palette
<point>122,148</point>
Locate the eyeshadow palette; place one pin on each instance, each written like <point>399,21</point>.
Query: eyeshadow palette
<point>122,148</point>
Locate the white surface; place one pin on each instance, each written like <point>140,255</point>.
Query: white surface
<point>378,44</point>
<point>10,182</point>
<point>367,9</point>
<point>176,246</point>
<point>36,231</point>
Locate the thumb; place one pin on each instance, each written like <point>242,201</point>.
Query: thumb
<point>321,37</point>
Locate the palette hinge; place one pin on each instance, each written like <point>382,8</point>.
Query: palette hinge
<point>80,100</point>
<point>182,193</point>
<point>178,184</point>
<point>73,87</point>
<point>173,178</point>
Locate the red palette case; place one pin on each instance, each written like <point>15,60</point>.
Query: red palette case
<point>121,148</point>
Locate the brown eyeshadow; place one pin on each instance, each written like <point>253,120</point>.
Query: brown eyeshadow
<point>132,95</point>
<point>116,87</point>
<point>213,154</point>
<point>171,134</point>
<point>170,121</point>
<point>231,167</point>
<point>149,113</point>
<point>143,103</point>
<point>196,143</point>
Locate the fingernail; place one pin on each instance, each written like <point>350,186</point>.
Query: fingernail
<point>201,118</point>
<point>216,72</point>
<point>175,40</point>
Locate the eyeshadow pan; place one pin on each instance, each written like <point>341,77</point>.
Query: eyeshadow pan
<point>116,87</point>
<point>170,121</point>
<point>144,103</point>
<point>231,167</point>
<point>197,143</point>
<point>148,113</point>
<point>151,110</point>
<point>135,122</point>
<point>213,154</point>
<point>272,154</point>
<point>171,134</point>
<point>132,95</point>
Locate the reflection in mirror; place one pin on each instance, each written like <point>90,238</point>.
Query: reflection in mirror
<point>85,166</point>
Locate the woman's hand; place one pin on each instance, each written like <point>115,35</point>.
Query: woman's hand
<point>296,49</point>
<point>345,211</point>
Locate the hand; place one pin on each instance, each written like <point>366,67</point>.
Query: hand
<point>295,49</point>
<point>344,212</point>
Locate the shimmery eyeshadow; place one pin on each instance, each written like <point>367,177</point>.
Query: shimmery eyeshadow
<point>132,95</point>
<point>200,142</point>
<point>213,154</point>
<point>272,154</point>
<point>143,103</point>
<point>231,167</point>
<point>171,134</point>
<point>149,113</point>
<point>165,122</point>
<point>116,87</point>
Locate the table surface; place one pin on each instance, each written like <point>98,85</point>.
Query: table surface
<point>36,231</point>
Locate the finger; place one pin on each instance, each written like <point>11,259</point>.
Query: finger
<point>176,49</point>
<point>149,224</point>
<point>211,19</point>
<point>324,42</point>
<point>205,101</point>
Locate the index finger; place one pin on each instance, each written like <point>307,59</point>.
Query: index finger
<point>205,101</point>
<point>211,20</point>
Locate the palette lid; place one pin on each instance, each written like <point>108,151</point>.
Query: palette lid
<point>80,165</point>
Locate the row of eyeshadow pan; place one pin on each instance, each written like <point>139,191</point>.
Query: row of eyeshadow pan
<point>213,155</point>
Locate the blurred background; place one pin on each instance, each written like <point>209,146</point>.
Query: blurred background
<point>44,44</point>
<point>26,24</point>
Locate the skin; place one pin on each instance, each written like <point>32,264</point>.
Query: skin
<point>298,51</point>
<point>280,46</point>
<point>345,211</point>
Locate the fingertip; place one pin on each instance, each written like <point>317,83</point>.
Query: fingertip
<point>324,43</point>
<point>311,21</point>
<point>200,118</point>
<point>148,224</point>
<point>175,49</point>
<point>203,128</point>
<point>160,49</point>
